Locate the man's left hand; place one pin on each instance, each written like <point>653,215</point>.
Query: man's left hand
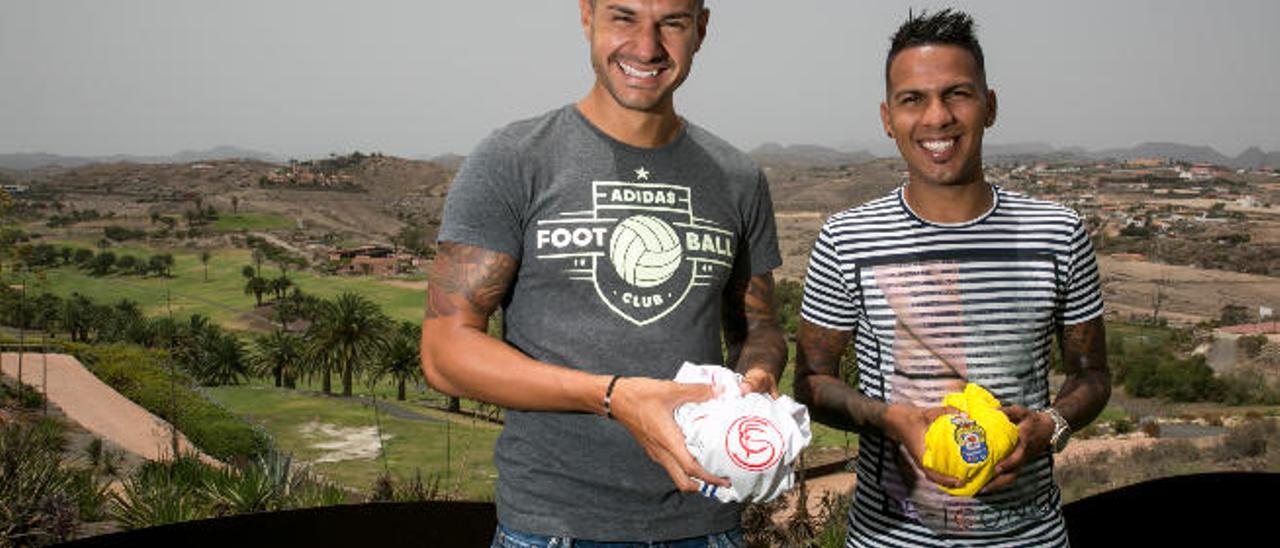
<point>1034,431</point>
<point>759,380</point>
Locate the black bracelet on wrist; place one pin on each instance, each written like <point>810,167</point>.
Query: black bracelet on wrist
<point>608,396</point>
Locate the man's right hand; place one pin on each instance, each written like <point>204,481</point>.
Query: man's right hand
<point>907,424</point>
<point>646,408</point>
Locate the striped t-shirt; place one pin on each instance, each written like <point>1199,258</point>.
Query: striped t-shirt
<point>933,306</point>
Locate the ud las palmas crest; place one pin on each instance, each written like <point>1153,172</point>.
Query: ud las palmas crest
<point>640,245</point>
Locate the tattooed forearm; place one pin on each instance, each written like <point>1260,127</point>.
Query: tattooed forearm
<point>764,347</point>
<point>819,384</point>
<point>1087,387</point>
<point>467,279</point>
<point>752,335</point>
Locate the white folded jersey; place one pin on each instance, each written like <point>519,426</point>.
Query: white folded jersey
<point>751,439</point>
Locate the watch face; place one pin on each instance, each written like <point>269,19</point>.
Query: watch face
<point>1061,431</point>
<point>1060,437</point>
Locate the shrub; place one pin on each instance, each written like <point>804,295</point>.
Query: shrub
<point>789,294</point>
<point>1151,428</point>
<point>1251,345</point>
<point>28,397</point>
<point>1248,385</point>
<point>120,234</point>
<point>1122,425</point>
<point>1154,371</point>
<point>139,374</point>
<point>1250,439</point>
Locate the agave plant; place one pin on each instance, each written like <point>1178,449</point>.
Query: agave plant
<point>264,485</point>
<point>163,492</point>
<point>141,504</point>
<point>38,496</point>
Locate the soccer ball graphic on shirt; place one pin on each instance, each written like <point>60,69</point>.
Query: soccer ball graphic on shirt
<point>645,251</point>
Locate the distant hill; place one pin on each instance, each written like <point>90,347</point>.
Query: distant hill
<point>28,161</point>
<point>1255,158</point>
<point>1252,158</point>
<point>449,160</point>
<point>1169,151</point>
<point>380,193</point>
<point>1017,149</point>
<point>808,155</point>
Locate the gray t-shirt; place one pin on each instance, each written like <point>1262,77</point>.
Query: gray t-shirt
<point>624,255</point>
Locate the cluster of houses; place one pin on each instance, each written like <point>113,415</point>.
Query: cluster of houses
<point>373,260</point>
<point>302,175</point>
<point>1137,193</point>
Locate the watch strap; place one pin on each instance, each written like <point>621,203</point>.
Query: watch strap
<point>1061,429</point>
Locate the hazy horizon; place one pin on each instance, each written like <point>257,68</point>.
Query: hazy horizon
<point>414,79</point>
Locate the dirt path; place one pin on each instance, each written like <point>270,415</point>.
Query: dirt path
<point>97,407</point>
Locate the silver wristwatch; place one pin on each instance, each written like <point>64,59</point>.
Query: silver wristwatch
<point>1061,429</point>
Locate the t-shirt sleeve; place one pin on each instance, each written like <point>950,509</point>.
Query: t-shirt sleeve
<point>828,300</point>
<point>762,231</point>
<point>480,210</point>
<point>1082,297</point>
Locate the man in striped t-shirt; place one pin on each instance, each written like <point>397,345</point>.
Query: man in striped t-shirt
<point>950,280</point>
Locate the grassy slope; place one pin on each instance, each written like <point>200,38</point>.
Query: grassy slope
<point>234,222</point>
<point>412,445</point>
<point>222,298</point>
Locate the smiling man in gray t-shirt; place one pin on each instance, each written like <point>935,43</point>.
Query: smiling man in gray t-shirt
<point>620,241</point>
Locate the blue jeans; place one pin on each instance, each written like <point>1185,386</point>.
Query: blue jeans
<point>506,538</point>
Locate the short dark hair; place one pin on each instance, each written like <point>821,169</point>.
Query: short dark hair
<point>701,4</point>
<point>949,27</point>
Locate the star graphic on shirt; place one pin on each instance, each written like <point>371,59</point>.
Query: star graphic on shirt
<point>642,174</point>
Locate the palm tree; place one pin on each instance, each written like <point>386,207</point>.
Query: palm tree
<point>204,259</point>
<point>164,332</point>
<point>258,257</point>
<point>295,305</point>
<point>348,330</point>
<point>78,317</point>
<point>279,354</point>
<point>125,322</point>
<point>256,286</point>
<point>318,360</point>
<point>279,286</point>
<point>48,313</point>
<point>224,360</point>
<point>400,357</point>
<point>212,355</point>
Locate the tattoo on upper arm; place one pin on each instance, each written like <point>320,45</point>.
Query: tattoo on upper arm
<point>1084,347</point>
<point>468,279</point>
<point>822,349</point>
<point>1087,387</point>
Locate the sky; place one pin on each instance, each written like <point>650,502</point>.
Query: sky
<point>416,78</point>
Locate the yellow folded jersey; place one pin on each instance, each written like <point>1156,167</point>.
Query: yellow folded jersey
<point>967,446</point>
